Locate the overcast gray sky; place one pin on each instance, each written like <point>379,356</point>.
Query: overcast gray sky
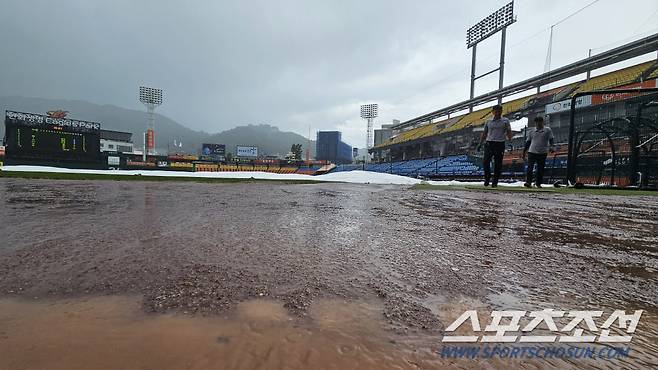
<point>292,64</point>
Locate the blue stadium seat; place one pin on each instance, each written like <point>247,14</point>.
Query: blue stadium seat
<point>456,165</point>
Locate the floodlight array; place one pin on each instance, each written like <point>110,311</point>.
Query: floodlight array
<point>369,111</point>
<point>495,22</point>
<point>149,95</point>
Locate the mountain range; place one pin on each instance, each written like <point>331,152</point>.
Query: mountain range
<point>269,139</point>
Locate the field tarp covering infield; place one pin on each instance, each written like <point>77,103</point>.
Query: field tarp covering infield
<point>354,177</point>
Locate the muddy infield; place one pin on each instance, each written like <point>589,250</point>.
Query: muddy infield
<point>415,258</point>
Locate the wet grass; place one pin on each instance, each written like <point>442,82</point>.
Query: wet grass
<point>108,177</point>
<point>551,190</point>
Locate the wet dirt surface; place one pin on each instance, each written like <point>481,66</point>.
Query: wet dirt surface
<point>114,333</point>
<point>420,257</point>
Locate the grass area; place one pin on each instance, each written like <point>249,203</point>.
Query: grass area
<point>546,189</point>
<point>110,177</point>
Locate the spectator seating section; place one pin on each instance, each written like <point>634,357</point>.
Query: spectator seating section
<point>311,170</point>
<point>653,74</point>
<point>478,117</point>
<point>618,78</point>
<point>457,165</point>
<point>348,167</point>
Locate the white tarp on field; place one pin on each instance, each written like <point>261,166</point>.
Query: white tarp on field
<point>355,177</point>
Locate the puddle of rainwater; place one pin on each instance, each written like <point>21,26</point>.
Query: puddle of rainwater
<point>113,332</point>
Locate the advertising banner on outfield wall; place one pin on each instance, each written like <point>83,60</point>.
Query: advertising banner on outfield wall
<point>609,98</point>
<point>246,151</point>
<point>565,105</point>
<point>213,149</point>
<point>113,161</point>
<point>216,151</point>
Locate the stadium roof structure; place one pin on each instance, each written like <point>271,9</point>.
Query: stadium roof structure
<point>632,49</point>
<point>643,71</point>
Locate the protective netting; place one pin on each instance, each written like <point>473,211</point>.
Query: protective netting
<point>616,143</point>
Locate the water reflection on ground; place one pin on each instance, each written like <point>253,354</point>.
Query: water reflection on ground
<point>303,276</point>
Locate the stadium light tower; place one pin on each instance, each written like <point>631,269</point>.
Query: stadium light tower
<point>151,98</point>
<point>497,21</point>
<point>369,112</point>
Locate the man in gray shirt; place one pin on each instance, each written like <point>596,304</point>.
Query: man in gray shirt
<point>538,143</point>
<point>496,130</point>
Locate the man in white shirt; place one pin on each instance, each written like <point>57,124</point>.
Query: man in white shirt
<point>496,130</point>
<point>538,143</point>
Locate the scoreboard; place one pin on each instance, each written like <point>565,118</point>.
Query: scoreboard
<point>38,137</point>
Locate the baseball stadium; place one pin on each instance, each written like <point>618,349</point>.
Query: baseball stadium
<point>606,123</point>
<point>115,254</point>
<point>611,135</point>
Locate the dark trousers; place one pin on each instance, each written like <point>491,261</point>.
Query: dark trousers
<point>540,160</point>
<point>495,150</point>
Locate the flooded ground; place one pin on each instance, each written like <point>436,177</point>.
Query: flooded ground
<point>181,275</point>
<point>113,332</point>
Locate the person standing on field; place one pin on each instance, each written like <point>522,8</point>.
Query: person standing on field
<point>538,143</point>
<point>496,130</point>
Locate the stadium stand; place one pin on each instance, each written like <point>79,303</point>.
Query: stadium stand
<point>457,167</point>
<point>558,92</point>
<point>412,167</point>
<point>379,167</point>
<point>414,133</point>
<point>515,105</point>
<point>228,167</point>
<point>469,119</point>
<point>478,117</point>
<point>348,167</point>
<point>445,167</point>
<point>207,167</point>
<point>443,124</point>
<point>653,74</point>
<point>310,170</point>
<point>286,170</point>
<point>617,78</point>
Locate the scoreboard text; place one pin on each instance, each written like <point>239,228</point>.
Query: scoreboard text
<point>30,136</point>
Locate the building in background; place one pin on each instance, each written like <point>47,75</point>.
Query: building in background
<point>382,135</point>
<point>116,141</point>
<point>330,147</point>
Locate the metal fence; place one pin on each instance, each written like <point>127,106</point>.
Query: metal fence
<point>615,142</point>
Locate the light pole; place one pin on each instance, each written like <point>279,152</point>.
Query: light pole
<point>369,112</point>
<point>151,98</point>
<point>495,22</point>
